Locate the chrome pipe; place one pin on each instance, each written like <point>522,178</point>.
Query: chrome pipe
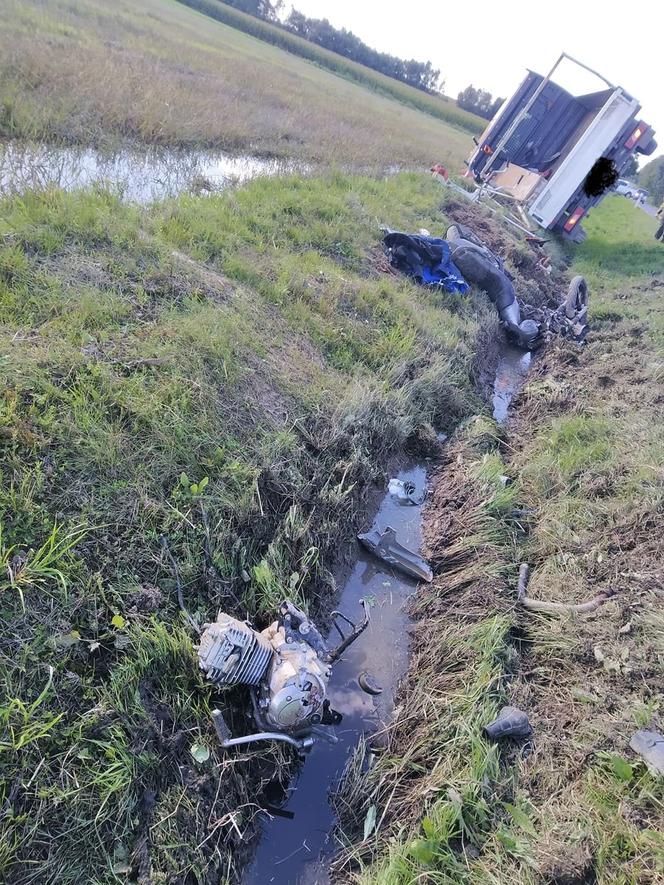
<point>301,744</point>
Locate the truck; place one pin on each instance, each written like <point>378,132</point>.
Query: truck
<point>556,154</point>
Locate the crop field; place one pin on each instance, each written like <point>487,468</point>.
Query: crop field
<point>160,73</point>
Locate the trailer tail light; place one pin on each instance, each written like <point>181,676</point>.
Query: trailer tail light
<point>638,133</point>
<point>574,218</point>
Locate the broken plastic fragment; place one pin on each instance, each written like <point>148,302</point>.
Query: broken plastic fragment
<point>650,747</point>
<point>385,546</point>
<point>510,722</point>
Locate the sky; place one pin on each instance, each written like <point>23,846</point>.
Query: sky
<point>491,44</point>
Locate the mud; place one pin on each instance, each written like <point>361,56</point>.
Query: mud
<point>293,846</point>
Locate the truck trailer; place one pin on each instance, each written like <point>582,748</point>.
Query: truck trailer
<point>557,154</point>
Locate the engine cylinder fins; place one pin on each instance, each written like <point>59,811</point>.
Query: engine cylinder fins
<point>231,653</point>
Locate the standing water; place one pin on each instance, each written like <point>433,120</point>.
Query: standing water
<point>510,378</point>
<point>291,847</point>
<point>139,176</point>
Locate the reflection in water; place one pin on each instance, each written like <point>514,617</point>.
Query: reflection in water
<point>510,378</point>
<point>139,176</point>
<point>289,851</point>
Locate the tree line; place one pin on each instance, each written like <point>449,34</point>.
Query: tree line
<point>651,178</point>
<point>479,101</point>
<point>421,75</point>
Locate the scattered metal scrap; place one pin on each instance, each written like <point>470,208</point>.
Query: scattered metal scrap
<point>404,492</point>
<point>563,608</point>
<point>385,546</point>
<point>650,747</point>
<point>369,684</point>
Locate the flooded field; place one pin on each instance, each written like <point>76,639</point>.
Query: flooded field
<point>139,176</point>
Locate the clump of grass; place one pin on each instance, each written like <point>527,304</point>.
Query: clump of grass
<point>37,570</point>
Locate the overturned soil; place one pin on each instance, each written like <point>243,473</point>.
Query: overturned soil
<point>538,281</point>
<point>591,522</point>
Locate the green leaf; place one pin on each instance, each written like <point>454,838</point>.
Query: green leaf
<point>184,480</point>
<point>621,768</point>
<point>423,850</point>
<point>118,622</point>
<point>200,752</point>
<point>202,484</point>
<point>521,819</point>
<point>193,488</point>
<point>508,840</point>
<point>429,827</point>
<point>370,821</point>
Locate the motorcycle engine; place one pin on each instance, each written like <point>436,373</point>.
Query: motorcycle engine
<point>285,663</point>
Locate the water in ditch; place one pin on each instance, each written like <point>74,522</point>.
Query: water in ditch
<point>511,375</point>
<point>140,176</point>
<point>291,847</point>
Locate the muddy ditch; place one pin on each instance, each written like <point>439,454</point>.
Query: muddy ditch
<point>298,833</point>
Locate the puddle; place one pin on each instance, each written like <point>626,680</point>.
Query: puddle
<point>290,849</point>
<point>139,176</point>
<point>510,377</point>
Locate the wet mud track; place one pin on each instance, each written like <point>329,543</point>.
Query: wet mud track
<point>298,834</point>
<point>293,847</point>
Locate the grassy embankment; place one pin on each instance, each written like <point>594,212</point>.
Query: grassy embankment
<point>158,72</point>
<point>584,449</point>
<point>243,358</point>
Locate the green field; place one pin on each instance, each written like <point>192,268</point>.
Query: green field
<point>436,106</point>
<point>157,72</point>
<point>226,380</point>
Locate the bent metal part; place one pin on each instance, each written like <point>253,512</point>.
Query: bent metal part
<point>286,666</point>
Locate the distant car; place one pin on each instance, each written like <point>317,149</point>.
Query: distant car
<point>626,188</point>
